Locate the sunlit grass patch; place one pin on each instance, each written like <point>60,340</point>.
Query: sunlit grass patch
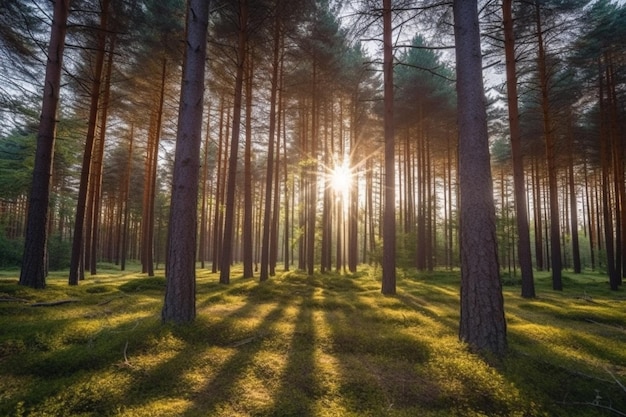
<point>299,345</point>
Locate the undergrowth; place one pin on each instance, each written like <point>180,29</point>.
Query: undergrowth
<point>298,345</point>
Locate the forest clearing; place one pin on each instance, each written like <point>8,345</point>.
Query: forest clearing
<point>300,345</point>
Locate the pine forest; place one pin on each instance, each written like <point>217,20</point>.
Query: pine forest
<point>480,140</point>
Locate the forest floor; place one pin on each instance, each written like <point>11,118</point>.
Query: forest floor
<point>325,345</point>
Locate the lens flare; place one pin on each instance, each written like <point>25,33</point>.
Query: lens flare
<point>341,178</point>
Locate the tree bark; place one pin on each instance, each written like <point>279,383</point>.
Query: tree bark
<point>95,190</point>
<point>389,220</point>
<point>555,229</point>
<point>521,214</point>
<point>269,173</point>
<point>247,234</point>
<point>33,272</point>
<point>180,267</point>
<point>77,260</point>
<point>482,324</point>
<point>125,200</point>
<point>229,216</point>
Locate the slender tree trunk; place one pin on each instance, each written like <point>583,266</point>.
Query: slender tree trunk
<point>219,194</point>
<point>590,218</point>
<point>180,266</point>
<point>617,145</point>
<point>311,219</point>
<point>573,205</point>
<point>203,235</point>
<point>605,162</point>
<point>125,225</point>
<point>521,215</point>
<point>248,234</point>
<point>288,217</point>
<point>538,216</point>
<point>97,161</point>
<point>276,209</point>
<point>229,216</point>
<point>389,221</point>
<point>269,173</point>
<point>555,229</point>
<point>34,271</point>
<point>353,209</point>
<point>76,262</point>
<point>483,325</point>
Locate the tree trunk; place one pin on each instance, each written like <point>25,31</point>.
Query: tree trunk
<point>77,262</point>
<point>482,324</point>
<point>125,201</point>
<point>248,234</point>
<point>573,204</point>
<point>180,267</point>
<point>219,194</point>
<point>311,215</point>
<point>276,209</point>
<point>521,215</point>
<point>389,221</point>
<point>555,229</point>
<point>95,188</point>
<point>229,216</point>
<point>605,162</point>
<point>203,232</point>
<point>269,173</point>
<point>33,272</point>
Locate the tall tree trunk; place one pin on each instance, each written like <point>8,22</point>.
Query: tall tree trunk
<point>33,272</point>
<point>76,262</point>
<point>203,234</point>
<point>311,204</point>
<point>276,209</point>
<point>591,218</point>
<point>288,216</point>
<point>617,145</point>
<point>573,203</point>
<point>125,200</point>
<point>521,215</point>
<point>605,162</point>
<point>229,215</point>
<point>95,188</point>
<point>555,229</point>
<point>248,234</point>
<point>269,173</point>
<point>219,194</point>
<point>539,259</point>
<point>389,221</point>
<point>483,325</point>
<point>180,266</point>
<point>353,200</point>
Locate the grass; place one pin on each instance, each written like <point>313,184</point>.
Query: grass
<point>325,345</point>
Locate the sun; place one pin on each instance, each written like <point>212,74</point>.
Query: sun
<point>341,178</point>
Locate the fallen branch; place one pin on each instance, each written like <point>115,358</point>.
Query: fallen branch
<point>597,405</point>
<point>243,341</point>
<point>622,386</point>
<point>13,300</point>
<point>126,362</point>
<point>54,303</point>
<point>105,302</point>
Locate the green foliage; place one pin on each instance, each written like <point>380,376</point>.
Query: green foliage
<point>59,252</point>
<point>299,345</point>
<point>16,163</point>
<point>10,251</point>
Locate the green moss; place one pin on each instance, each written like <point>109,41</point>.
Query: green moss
<point>299,345</point>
